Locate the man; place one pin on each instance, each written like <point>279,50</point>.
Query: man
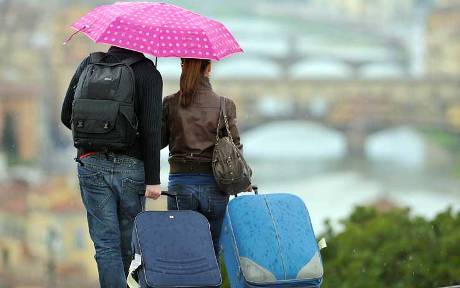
<point>113,182</point>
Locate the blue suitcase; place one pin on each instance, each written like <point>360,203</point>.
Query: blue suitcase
<point>268,241</point>
<point>173,249</point>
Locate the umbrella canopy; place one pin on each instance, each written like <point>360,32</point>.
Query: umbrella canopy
<point>158,29</point>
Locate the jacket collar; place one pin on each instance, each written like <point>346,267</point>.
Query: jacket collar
<point>204,83</point>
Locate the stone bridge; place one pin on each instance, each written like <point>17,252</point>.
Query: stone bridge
<point>358,108</point>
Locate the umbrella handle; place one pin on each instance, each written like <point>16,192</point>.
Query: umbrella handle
<point>73,34</point>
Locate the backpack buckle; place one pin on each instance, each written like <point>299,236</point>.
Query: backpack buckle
<point>107,125</point>
<point>80,124</point>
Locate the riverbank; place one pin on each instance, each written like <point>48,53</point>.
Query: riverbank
<point>450,142</point>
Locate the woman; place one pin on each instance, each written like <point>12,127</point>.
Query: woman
<point>189,125</point>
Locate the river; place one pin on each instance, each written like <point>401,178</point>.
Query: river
<point>400,166</point>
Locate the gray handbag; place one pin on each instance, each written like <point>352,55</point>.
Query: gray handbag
<point>232,173</point>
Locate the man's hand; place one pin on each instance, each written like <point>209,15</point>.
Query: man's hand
<point>249,189</point>
<point>152,191</point>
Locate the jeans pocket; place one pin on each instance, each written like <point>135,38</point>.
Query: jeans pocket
<point>94,190</point>
<point>181,202</point>
<point>130,185</point>
<point>131,197</point>
<point>183,199</point>
<point>132,189</point>
<point>94,197</point>
<point>217,206</point>
<point>90,177</point>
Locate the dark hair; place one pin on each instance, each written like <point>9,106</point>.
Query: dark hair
<point>192,70</point>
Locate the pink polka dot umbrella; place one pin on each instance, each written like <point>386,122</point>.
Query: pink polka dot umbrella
<point>158,29</point>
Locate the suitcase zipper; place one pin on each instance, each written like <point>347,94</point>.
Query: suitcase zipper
<point>277,237</point>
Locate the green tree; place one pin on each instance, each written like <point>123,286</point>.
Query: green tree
<point>393,249</point>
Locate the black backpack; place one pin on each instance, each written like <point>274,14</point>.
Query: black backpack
<point>103,114</point>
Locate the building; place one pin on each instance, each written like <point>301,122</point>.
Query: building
<point>44,234</point>
<point>67,57</point>
<point>57,229</point>
<point>19,121</point>
<point>446,3</point>
<point>63,60</point>
<point>379,12</point>
<point>453,115</point>
<point>13,214</point>
<point>443,40</point>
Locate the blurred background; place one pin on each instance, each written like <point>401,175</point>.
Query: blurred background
<point>343,103</point>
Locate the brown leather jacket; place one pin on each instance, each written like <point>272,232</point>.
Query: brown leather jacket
<point>191,132</point>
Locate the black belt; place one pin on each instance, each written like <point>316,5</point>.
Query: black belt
<point>190,167</point>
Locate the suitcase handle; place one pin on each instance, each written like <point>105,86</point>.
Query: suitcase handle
<point>166,193</point>
<point>255,189</point>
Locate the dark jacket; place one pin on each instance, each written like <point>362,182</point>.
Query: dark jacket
<point>149,87</point>
<point>191,132</point>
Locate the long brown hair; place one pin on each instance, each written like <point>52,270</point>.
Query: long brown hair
<point>192,70</point>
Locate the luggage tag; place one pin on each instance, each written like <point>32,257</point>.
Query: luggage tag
<point>137,261</point>
<point>322,244</point>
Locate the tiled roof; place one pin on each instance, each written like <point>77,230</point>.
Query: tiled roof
<point>13,197</point>
<point>54,196</point>
<point>71,206</point>
<point>11,89</point>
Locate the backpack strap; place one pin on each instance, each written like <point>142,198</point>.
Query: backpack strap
<point>97,57</point>
<point>132,60</point>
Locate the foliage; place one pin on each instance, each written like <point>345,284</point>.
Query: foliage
<point>225,283</point>
<point>445,139</point>
<point>449,141</point>
<point>393,249</point>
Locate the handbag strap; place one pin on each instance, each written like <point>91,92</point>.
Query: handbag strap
<point>223,114</point>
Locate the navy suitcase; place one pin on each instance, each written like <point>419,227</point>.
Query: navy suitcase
<point>268,241</point>
<point>173,249</point>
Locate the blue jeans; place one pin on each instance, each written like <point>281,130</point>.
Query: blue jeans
<point>204,198</point>
<point>112,189</point>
